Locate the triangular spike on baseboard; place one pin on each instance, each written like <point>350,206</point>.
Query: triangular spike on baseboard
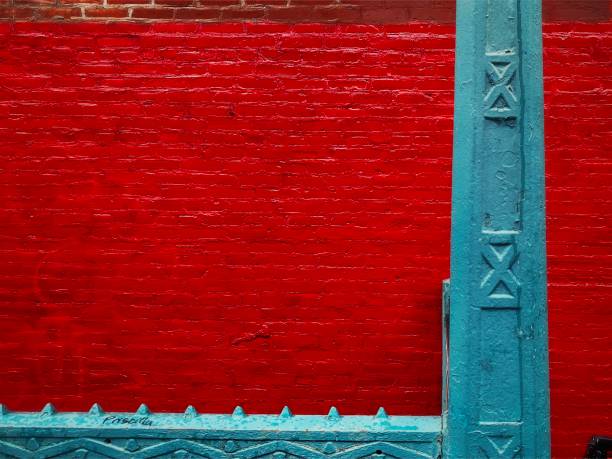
<point>143,410</point>
<point>381,413</point>
<point>238,412</point>
<point>96,410</point>
<point>3,409</point>
<point>286,412</point>
<point>191,411</point>
<point>333,413</point>
<point>48,410</point>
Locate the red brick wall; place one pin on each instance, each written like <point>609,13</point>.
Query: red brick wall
<point>578,108</point>
<point>258,214</point>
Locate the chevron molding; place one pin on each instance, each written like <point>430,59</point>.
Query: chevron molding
<point>143,434</point>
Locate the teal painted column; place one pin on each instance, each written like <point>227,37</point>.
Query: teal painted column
<point>498,373</point>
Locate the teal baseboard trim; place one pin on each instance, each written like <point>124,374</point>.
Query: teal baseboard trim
<point>142,435</point>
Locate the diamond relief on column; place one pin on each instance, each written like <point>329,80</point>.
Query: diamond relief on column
<point>501,100</point>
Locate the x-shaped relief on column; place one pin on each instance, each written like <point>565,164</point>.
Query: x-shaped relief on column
<point>499,286</point>
<point>501,99</point>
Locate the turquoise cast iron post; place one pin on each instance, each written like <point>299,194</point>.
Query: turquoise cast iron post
<point>498,382</point>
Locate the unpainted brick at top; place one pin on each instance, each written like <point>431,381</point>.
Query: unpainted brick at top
<point>290,11</point>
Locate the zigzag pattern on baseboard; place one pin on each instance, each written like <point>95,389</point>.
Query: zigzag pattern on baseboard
<point>190,435</point>
<point>183,449</point>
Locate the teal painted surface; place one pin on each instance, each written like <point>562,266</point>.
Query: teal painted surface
<point>190,435</point>
<point>498,364</point>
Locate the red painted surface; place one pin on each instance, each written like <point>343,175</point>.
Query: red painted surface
<point>578,106</point>
<point>258,214</point>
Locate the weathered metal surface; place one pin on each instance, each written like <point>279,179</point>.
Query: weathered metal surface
<point>216,436</point>
<point>498,374</point>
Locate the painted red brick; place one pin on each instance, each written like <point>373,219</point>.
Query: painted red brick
<point>258,214</point>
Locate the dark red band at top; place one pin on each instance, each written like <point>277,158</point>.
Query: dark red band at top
<point>285,11</point>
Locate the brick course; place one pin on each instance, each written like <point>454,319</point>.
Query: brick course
<point>291,11</point>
